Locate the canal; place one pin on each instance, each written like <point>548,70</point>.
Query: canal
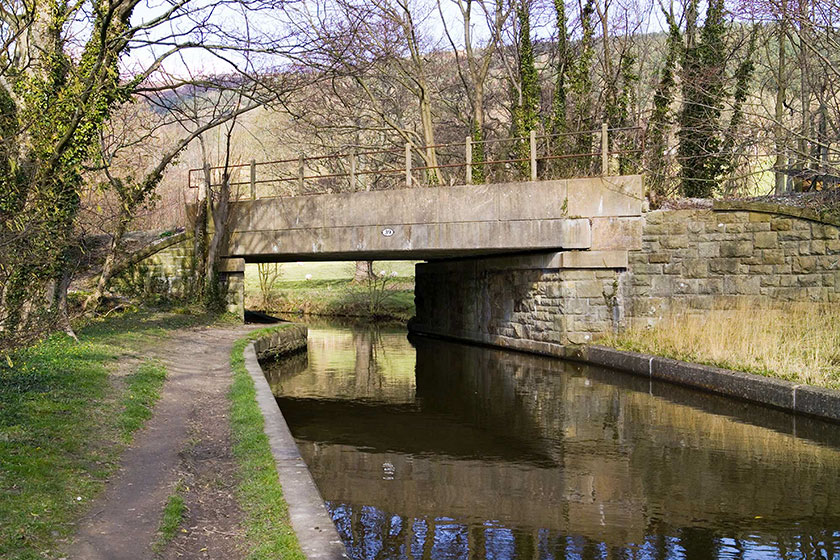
<point>434,450</point>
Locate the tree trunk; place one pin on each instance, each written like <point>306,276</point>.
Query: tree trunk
<point>92,302</point>
<point>199,243</point>
<point>429,135</point>
<point>62,309</point>
<point>363,272</point>
<point>804,91</point>
<point>220,216</point>
<point>780,106</point>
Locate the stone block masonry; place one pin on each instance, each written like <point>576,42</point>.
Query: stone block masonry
<point>165,269</point>
<point>700,259</point>
<point>162,268</point>
<point>529,303</point>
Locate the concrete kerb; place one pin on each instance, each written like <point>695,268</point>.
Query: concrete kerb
<point>313,526</point>
<point>793,397</point>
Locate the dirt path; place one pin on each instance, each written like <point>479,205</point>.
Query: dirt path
<point>186,440</point>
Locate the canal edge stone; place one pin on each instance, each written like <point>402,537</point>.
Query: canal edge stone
<point>310,520</point>
<point>808,400</point>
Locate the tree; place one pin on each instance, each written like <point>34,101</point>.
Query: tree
<point>477,62</point>
<point>704,66</point>
<point>743,77</point>
<point>268,274</point>
<point>660,119</point>
<point>527,93</point>
<point>580,84</point>
<point>558,101</point>
<point>65,70</point>
<point>132,190</point>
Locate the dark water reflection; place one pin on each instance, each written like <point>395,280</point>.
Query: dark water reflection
<point>443,451</point>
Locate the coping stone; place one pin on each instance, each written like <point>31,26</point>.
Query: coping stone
<point>310,520</point>
<point>817,401</point>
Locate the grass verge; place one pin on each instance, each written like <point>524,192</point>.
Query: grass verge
<point>267,527</point>
<point>64,422</point>
<point>339,298</point>
<point>173,514</point>
<point>800,342</point>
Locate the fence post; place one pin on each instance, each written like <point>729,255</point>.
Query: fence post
<point>533,142</point>
<point>605,150</point>
<point>468,157</point>
<point>408,164</point>
<point>300,173</point>
<point>353,172</point>
<point>253,179</point>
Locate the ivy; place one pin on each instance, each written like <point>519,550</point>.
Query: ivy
<point>525,113</point>
<point>49,125</point>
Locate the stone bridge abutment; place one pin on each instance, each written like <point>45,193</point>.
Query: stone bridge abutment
<point>682,261</point>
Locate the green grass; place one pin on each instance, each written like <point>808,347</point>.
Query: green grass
<point>338,298</point>
<point>173,515</point>
<point>339,270</point>
<point>143,391</point>
<point>267,527</point>
<point>330,290</point>
<point>63,424</point>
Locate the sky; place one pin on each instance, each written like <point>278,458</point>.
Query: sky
<point>217,21</point>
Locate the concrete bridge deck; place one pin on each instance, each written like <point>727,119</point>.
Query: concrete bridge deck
<point>591,214</point>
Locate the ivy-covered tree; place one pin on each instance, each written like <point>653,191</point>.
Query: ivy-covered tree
<point>661,119</point>
<point>558,102</point>
<point>580,86</point>
<point>526,107</point>
<point>65,68</point>
<point>55,105</point>
<point>704,68</point>
<point>743,77</point>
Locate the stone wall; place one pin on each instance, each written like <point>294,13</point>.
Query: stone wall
<point>530,303</point>
<point>163,270</point>
<point>160,269</point>
<point>680,259</point>
<point>698,259</point>
<point>281,342</point>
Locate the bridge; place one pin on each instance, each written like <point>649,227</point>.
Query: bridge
<point>478,241</point>
<point>530,258</point>
<point>395,204</point>
<point>441,222</point>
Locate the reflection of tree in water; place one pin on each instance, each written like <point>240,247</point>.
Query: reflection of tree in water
<point>638,470</point>
<point>370,350</point>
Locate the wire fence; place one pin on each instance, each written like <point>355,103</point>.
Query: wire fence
<point>603,151</point>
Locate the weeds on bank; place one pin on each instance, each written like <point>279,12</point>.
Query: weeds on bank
<point>800,342</point>
<point>63,424</point>
<point>267,526</point>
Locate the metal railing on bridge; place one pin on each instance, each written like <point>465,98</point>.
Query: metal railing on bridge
<point>533,157</point>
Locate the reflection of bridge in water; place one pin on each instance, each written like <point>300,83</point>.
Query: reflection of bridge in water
<point>549,450</point>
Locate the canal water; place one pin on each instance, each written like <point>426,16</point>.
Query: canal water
<point>433,450</point>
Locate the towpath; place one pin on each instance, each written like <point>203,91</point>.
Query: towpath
<point>186,444</point>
